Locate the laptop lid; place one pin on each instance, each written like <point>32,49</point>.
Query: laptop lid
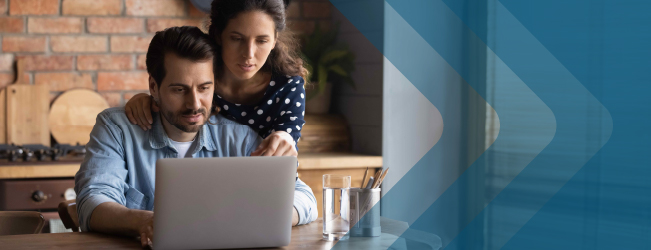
<point>231,202</point>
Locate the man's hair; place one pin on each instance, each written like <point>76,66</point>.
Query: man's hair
<point>186,42</point>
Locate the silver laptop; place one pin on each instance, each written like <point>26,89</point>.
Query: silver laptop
<point>216,203</point>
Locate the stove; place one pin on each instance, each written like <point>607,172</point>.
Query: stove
<point>38,194</point>
<point>40,153</point>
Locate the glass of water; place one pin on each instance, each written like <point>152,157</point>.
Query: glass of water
<point>336,206</point>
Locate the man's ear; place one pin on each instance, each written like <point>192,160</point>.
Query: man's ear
<point>153,88</point>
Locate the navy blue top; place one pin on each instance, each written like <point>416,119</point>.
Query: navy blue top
<point>281,109</point>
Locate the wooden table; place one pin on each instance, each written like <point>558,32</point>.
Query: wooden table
<point>303,237</point>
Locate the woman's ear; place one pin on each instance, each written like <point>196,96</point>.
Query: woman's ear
<point>275,40</point>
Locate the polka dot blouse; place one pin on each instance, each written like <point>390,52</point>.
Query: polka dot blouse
<point>281,109</point>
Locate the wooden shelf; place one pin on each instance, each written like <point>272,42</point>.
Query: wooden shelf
<point>337,161</point>
<point>308,161</point>
<point>38,171</point>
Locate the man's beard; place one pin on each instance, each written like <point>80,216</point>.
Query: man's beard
<point>174,119</point>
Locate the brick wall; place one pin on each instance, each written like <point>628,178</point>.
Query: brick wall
<point>101,44</point>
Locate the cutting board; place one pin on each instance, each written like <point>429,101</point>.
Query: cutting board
<point>72,115</point>
<point>3,113</point>
<point>27,108</point>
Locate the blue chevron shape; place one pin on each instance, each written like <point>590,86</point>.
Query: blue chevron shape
<point>416,45</point>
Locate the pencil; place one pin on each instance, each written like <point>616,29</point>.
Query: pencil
<point>364,179</point>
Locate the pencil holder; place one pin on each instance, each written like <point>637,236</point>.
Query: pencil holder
<point>364,221</point>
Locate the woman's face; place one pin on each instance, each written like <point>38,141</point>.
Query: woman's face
<point>246,43</point>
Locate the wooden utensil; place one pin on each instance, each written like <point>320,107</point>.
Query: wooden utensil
<point>384,174</point>
<point>26,111</point>
<point>364,179</point>
<point>3,114</point>
<point>376,178</point>
<point>73,114</point>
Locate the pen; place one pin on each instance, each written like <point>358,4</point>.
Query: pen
<point>370,183</point>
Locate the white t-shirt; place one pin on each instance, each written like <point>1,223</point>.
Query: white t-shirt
<point>182,147</point>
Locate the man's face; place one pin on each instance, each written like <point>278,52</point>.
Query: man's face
<point>185,95</point>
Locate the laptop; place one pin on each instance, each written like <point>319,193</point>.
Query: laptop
<point>217,203</point>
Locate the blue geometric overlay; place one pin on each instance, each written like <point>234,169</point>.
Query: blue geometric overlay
<point>570,167</point>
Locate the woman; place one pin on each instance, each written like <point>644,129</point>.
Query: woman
<point>260,77</point>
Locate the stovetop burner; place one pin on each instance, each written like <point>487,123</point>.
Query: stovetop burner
<point>40,152</point>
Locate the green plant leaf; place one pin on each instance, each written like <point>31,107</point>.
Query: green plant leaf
<point>338,69</point>
<point>323,78</point>
<point>333,55</point>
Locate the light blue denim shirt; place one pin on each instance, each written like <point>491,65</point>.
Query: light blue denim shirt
<point>120,160</point>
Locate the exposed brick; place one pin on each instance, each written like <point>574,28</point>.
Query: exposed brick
<point>158,24</point>
<point>6,62</point>
<point>104,62</point>
<point>194,12</point>
<point>78,43</point>
<point>12,24</point>
<point>23,44</point>
<point>43,62</point>
<point>34,7</point>
<point>3,7</point>
<point>115,25</point>
<point>62,81</point>
<point>301,27</point>
<point>316,9</point>
<point>54,25</point>
<point>92,8</point>
<point>294,10</point>
<point>134,80</point>
<point>130,43</point>
<point>325,25</point>
<point>113,99</point>
<point>141,62</point>
<point>155,7</point>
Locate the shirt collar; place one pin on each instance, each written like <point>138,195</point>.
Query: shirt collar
<point>158,137</point>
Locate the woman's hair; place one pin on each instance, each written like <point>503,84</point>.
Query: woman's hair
<point>284,59</point>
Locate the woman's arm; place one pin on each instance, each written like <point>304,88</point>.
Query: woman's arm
<point>138,110</point>
<point>289,118</point>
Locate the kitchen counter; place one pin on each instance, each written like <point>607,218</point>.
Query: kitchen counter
<point>308,161</point>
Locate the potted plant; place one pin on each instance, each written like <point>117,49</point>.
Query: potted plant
<point>328,62</point>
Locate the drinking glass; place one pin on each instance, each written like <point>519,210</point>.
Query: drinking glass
<point>336,206</point>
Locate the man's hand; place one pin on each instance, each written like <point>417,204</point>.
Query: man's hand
<point>294,217</point>
<point>113,218</point>
<point>279,143</point>
<point>146,228</point>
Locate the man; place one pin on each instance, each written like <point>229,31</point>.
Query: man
<point>115,184</point>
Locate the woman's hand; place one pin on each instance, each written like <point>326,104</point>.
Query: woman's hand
<point>279,143</point>
<point>139,109</point>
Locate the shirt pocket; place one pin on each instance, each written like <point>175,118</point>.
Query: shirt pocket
<point>136,200</point>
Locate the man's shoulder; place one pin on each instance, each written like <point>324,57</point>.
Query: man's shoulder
<point>224,125</point>
<point>114,116</point>
<point>221,120</point>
